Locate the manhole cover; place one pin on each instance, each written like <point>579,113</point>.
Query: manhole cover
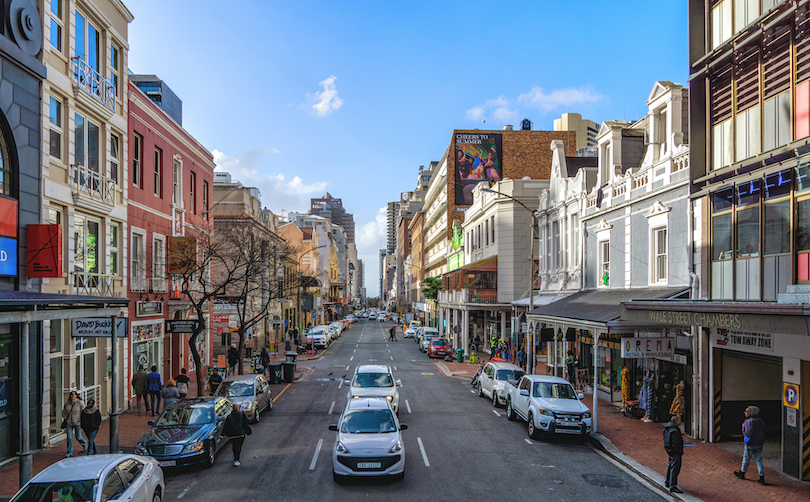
<point>604,480</point>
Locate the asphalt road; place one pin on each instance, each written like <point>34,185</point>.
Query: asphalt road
<point>458,447</point>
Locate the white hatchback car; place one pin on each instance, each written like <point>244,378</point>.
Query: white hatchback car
<point>368,442</point>
<point>374,380</point>
<point>96,478</point>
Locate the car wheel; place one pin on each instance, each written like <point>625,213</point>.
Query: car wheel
<point>534,432</point>
<point>494,398</point>
<point>480,390</point>
<point>510,412</point>
<point>156,495</point>
<point>210,454</point>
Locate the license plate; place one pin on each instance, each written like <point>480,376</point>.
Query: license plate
<point>167,463</point>
<point>369,465</point>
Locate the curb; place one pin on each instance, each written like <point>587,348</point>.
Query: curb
<point>657,481</point>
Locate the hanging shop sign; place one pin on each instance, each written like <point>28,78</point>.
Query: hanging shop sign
<point>8,256</point>
<point>743,340</point>
<point>639,348</point>
<point>182,326</point>
<point>150,308</point>
<point>98,327</point>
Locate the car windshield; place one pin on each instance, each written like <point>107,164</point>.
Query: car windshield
<point>58,491</point>
<point>440,342</point>
<point>238,388</point>
<point>186,415</point>
<point>509,375</point>
<point>368,422</point>
<point>373,380</point>
<point>554,390</point>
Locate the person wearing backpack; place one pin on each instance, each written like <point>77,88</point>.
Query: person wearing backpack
<point>236,427</point>
<point>182,382</point>
<point>754,431</point>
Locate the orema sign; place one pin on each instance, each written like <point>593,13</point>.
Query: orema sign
<point>647,347</point>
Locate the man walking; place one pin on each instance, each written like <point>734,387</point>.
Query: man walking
<point>182,381</point>
<point>139,388</point>
<point>673,444</point>
<point>214,380</point>
<point>154,386</point>
<point>521,358</point>
<point>236,426</point>
<point>754,431</point>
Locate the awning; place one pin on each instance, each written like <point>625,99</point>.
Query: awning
<point>539,300</point>
<point>601,305</point>
<point>28,306</point>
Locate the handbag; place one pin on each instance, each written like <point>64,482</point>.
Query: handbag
<point>64,424</point>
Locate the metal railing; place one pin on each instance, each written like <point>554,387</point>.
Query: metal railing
<point>92,184</point>
<point>476,296</point>
<point>91,82</point>
<point>93,284</point>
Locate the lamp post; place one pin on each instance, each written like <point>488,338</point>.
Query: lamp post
<point>530,346</point>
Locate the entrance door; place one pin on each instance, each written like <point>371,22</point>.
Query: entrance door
<point>7,415</point>
<point>86,363</point>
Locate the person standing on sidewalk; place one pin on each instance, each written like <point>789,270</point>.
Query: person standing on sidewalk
<point>264,360</point>
<point>233,358</point>
<point>91,421</point>
<point>182,381</point>
<point>154,385</point>
<point>521,358</point>
<point>236,426</point>
<point>170,393</point>
<point>139,388</point>
<point>673,444</point>
<point>754,431</point>
<point>72,421</point>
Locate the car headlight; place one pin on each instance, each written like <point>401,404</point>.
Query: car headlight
<point>397,447</point>
<point>193,446</point>
<point>390,398</point>
<point>545,412</point>
<point>140,449</point>
<point>587,414</point>
<point>246,406</point>
<point>340,448</point>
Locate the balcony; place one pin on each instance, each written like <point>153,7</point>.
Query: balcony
<point>92,190</point>
<point>93,84</point>
<point>475,296</point>
<point>92,284</point>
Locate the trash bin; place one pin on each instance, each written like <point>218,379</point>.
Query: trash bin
<point>460,356</point>
<point>274,373</point>
<point>292,356</point>
<point>289,372</point>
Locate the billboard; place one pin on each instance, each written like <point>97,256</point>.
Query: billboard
<point>478,157</point>
<point>182,255</point>
<point>44,250</point>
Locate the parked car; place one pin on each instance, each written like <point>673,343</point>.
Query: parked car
<point>368,441</point>
<point>422,330</point>
<point>96,478</point>
<point>320,336</point>
<point>414,324</point>
<point>187,432</point>
<point>493,378</point>
<point>410,333</point>
<point>549,404</point>
<point>439,347</point>
<point>382,317</point>
<point>372,317</point>
<point>374,380</point>
<point>251,392</point>
<point>427,335</point>
<point>365,315</point>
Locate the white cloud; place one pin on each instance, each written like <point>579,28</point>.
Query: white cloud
<point>328,100</point>
<point>559,98</point>
<point>476,113</point>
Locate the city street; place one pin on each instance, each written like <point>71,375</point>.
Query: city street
<point>457,445</point>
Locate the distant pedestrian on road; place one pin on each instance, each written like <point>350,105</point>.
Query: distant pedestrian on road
<point>214,380</point>
<point>754,431</point>
<point>170,393</point>
<point>139,388</point>
<point>236,426</point>
<point>182,381</point>
<point>264,360</point>
<point>72,421</point>
<point>154,385</point>
<point>91,421</point>
<point>673,444</point>
<point>392,334</point>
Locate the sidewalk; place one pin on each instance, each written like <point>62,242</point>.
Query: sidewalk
<point>707,472</point>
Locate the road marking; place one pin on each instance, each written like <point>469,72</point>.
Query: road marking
<point>408,405</point>
<point>427,373</point>
<point>340,384</point>
<point>351,358</point>
<point>392,358</point>
<point>424,455</point>
<point>471,390</point>
<point>528,440</point>
<point>315,456</point>
<point>355,350</point>
<point>332,407</point>
<point>282,391</point>
<point>395,368</point>
<point>389,351</point>
<point>495,412</point>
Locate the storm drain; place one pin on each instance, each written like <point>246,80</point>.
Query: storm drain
<point>603,480</point>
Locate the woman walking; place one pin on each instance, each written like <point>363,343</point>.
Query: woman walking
<point>170,393</point>
<point>91,421</point>
<point>236,426</point>
<point>72,421</point>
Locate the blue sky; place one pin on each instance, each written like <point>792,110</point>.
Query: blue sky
<point>351,97</point>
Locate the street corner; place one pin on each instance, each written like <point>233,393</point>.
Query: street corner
<point>303,372</point>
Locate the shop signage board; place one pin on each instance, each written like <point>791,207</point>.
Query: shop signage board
<point>8,256</point>
<point>182,326</point>
<point>760,323</point>
<point>743,340</point>
<point>147,330</point>
<point>145,309</point>
<point>221,317</point>
<point>44,250</point>
<point>639,348</point>
<point>98,327</point>
<point>790,395</point>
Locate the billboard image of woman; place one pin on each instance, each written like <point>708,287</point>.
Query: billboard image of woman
<point>478,158</point>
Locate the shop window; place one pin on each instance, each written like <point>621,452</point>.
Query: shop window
<point>747,219</point>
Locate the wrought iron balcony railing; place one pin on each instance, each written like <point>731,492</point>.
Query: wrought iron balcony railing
<point>92,284</point>
<point>91,82</point>
<point>92,184</point>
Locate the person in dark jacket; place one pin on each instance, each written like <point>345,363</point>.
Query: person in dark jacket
<point>139,388</point>
<point>673,444</point>
<point>236,426</point>
<point>182,380</point>
<point>91,421</point>
<point>154,385</point>
<point>754,431</point>
<point>233,358</point>
<point>214,380</point>
<point>264,360</point>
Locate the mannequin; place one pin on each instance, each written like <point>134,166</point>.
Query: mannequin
<point>647,390</point>
<point>678,402</point>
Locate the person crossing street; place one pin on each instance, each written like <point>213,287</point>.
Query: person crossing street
<point>236,427</point>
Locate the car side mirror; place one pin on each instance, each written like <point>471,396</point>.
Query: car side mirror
<point>399,383</point>
<point>347,382</point>
<point>333,427</point>
<point>581,396</point>
<point>524,392</point>
<point>402,427</point>
<point>151,422</point>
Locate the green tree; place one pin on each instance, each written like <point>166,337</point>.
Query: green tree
<point>431,287</point>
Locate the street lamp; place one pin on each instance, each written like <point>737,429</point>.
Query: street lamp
<point>530,334</point>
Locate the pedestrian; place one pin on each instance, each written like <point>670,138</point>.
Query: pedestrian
<point>391,334</point>
<point>139,388</point>
<point>673,444</point>
<point>91,421</point>
<point>182,383</point>
<point>264,360</point>
<point>521,358</point>
<point>754,431</point>
<point>493,347</point>
<point>170,393</point>
<point>214,380</point>
<point>233,358</point>
<point>570,361</point>
<point>154,385</point>
<point>476,343</point>
<point>236,426</point>
<point>72,421</point>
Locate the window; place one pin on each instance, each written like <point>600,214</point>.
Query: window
<point>193,192</point>
<point>745,11</point>
<point>113,486</point>
<point>130,469</point>
<point>158,172</point>
<point>86,139</point>
<point>722,145</point>
<point>776,224</point>
<point>555,244</point>
<point>85,251</point>
<point>486,230</point>
<point>748,133</point>
<point>115,58</point>
<point>115,237</point>
<point>55,215</point>
<point>138,262</point>
<point>137,155</point>
<point>776,122</point>
<point>722,225</point>
<point>205,198</point>
<point>721,23</point>
<point>747,219</point>
<point>114,156</point>
<point>88,42</point>
<point>492,228</point>
<point>158,262</point>
<point>604,263</point>
<point>55,118</point>
<point>661,126</point>
<point>57,23</point>
<point>176,183</point>
<point>574,238</point>
<point>659,240</point>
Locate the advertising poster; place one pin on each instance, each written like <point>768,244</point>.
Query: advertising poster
<point>147,330</point>
<point>478,158</point>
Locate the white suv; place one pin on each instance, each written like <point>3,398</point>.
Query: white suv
<point>375,380</point>
<point>492,381</point>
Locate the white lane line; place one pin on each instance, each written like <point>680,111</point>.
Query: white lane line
<point>472,390</point>
<point>351,358</point>
<point>408,405</point>
<point>389,351</point>
<point>347,369</point>
<point>332,407</point>
<point>392,358</point>
<point>424,455</point>
<point>315,456</point>
<point>340,384</point>
<point>395,368</point>
<point>182,494</point>
<point>495,412</point>
<point>528,440</point>
<point>355,350</point>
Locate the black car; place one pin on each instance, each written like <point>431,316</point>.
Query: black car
<point>187,432</point>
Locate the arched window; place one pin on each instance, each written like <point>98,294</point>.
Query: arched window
<point>6,173</point>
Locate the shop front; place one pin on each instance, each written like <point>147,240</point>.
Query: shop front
<point>147,344</point>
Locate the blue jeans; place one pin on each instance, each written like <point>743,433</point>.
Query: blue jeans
<point>74,431</point>
<point>756,451</point>
<point>154,398</point>
<point>91,442</point>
